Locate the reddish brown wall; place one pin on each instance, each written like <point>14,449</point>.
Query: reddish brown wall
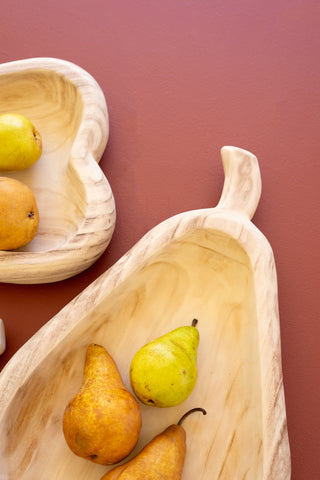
<point>181,80</point>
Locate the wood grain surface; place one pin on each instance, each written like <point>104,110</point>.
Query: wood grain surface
<point>210,264</point>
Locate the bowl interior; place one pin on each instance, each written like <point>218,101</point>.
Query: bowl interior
<point>206,275</point>
<point>55,106</point>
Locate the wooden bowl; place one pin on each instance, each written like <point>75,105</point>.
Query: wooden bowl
<point>76,205</point>
<point>211,264</point>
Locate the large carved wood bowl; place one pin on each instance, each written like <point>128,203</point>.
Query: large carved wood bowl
<point>211,264</point>
<point>75,201</point>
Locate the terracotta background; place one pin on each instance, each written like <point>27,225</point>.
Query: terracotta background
<point>182,79</point>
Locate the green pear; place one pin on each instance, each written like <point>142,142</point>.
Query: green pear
<point>102,422</point>
<point>163,372</point>
<point>161,459</point>
<point>20,142</point>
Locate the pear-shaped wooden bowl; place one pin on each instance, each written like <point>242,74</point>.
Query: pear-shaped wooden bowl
<point>76,204</point>
<point>211,264</point>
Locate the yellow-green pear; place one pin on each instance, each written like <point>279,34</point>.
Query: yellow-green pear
<point>103,421</point>
<point>20,142</point>
<point>163,372</point>
<point>161,459</point>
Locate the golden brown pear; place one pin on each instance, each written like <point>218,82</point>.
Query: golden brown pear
<point>103,421</point>
<point>161,459</point>
<point>19,214</point>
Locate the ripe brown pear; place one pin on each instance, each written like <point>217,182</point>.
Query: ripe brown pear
<point>161,459</point>
<point>19,214</point>
<point>103,421</point>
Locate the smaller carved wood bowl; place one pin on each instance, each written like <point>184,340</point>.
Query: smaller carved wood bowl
<point>211,264</point>
<point>75,201</point>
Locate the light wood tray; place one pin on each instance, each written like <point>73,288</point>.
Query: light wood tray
<point>76,205</point>
<point>211,264</point>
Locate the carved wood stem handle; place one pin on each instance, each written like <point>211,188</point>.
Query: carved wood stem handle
<point>242,185</point>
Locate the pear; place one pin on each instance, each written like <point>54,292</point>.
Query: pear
<point>103,421</point>
<point>163,372</point>
<point>161,459</point>
<point>20,142</point>
<point>19,214</point>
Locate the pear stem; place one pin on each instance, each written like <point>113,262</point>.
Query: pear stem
<point>191,411</point>
<point>194,322</point>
